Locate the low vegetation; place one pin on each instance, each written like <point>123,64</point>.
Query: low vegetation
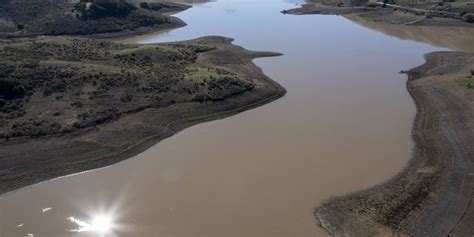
<point>79,17</point>
<point>468,17</point>
<point>467,82</point>
<point>462,7</point>
<point>61,85</point>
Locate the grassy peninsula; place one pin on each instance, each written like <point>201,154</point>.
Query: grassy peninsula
<point>56,86</point>
<point>71,101</point>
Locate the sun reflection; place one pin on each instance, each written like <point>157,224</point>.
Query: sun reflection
<point>101,219</point>
<point>101,224</point>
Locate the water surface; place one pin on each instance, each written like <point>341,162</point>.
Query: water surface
<point>344,125</point>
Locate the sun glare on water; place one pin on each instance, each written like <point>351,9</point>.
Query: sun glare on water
<point>101,224</point>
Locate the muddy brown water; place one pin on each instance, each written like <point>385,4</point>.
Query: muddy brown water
<point>452,37</point>
<point>344,125</point>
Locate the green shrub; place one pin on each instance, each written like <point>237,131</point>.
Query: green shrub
<point>11,90</point>
<point>144,5</point>
<point>372,5</point>
<point>106,80</point>
<point>77,104</point>
<point>468,17</point>
<point>104,8</point>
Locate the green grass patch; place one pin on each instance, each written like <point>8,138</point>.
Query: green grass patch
<point>467,82</point>
<point>200,74</point>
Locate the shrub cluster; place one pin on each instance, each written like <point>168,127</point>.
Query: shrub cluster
<point>98,9</point>
<point>69,17</point>
<point>468,17</point>
<point>82,83</point>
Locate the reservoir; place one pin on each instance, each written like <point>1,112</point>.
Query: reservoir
<point>344,125</point>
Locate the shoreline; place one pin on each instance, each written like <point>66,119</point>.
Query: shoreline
<point>130,135</point>
<point>432,194</point>
<point>54,157</point>
<point>123,37</point>
<point>120,36</point>
<point>433,175</point>
<point>391,14</point>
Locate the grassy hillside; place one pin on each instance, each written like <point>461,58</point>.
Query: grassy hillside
<point>79,17</point>
<point>60,85</point>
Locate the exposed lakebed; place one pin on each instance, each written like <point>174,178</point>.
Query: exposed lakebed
<point>345,124</point>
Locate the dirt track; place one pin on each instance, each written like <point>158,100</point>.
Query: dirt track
<point>449,112</point>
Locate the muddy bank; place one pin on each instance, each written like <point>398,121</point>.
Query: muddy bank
<point>25,163</point>
<point>452,37</point>
<point>323,9</point>
<point>375,12</point>
<point>433,195</point>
